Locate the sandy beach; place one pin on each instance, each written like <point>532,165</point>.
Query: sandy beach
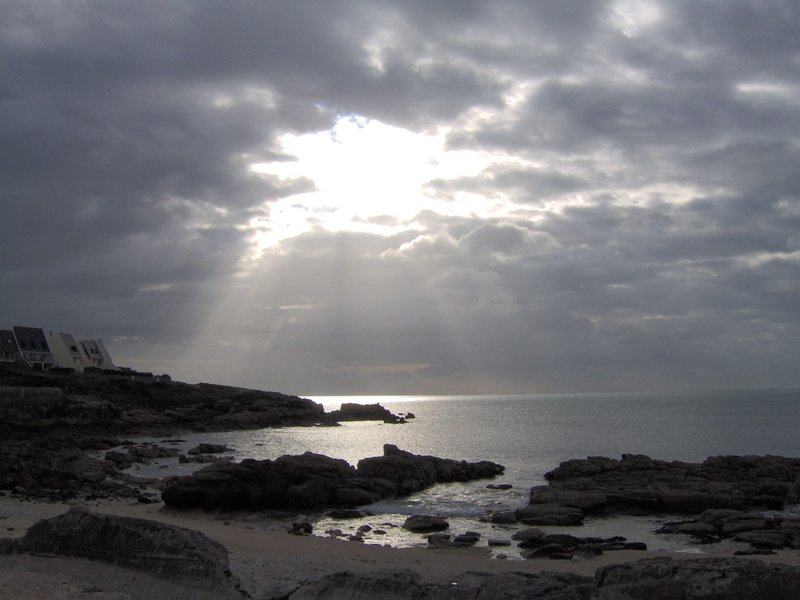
<point>263,556</point>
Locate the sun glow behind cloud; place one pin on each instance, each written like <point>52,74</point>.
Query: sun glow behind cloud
<point>369,177</point>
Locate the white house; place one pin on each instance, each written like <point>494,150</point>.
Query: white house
<point>97,355</point>
<point>66,351</point>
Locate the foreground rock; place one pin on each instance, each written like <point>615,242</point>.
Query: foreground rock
<point>161,550</point>
<point>651,579</point>
<point>314,481</point>
<point>638,484</point>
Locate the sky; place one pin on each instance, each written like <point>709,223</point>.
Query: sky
<point>408,196</point>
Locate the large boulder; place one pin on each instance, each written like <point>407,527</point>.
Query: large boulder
<point>425,523</point>
<point>162,550</point>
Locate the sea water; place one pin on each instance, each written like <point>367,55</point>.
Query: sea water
<point>531,435</point>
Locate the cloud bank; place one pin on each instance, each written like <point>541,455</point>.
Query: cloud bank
<point>409,197</point>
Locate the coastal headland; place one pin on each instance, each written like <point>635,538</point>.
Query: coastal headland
<point>74,523</point>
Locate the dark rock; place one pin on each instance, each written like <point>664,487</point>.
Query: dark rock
<point>439,539</point>
<point>161,550</point>
<point>425,523</point>
<point>550,514</point>
<point>303,528</point>
<point>398,465</point>
<point>651,579</point>
<point>760,532</point>
<point>499,486</point>
<point>350,411</point>
<point>634,546</point>
<point>349,513</point>
<point>313,481</point>
<point>706,579</point>
<point>507,517</point>
<point>527,534</point>
<point>205,448</point>
<point>544,551</point>
<point>469,538</point>
<point>378,586</point>
<point>120,459</point>
<point>753,552</point>
<point>404,585</point>
<point>733,526</point>
<point>638,484</point>
<point>498,542</point>
<point>763,539</point>
<point>8,545</point>
<point>534,540</point>
<point>201,458</point>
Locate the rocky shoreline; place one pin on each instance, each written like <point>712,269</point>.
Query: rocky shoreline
<point>53,427</point>
<point>192,565</point>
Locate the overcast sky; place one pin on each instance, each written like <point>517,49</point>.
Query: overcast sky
<point>408,196</point>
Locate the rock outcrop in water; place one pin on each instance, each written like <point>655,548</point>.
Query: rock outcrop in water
<point>314,481</point>
<point>638,484</point>
<point>350,411</point>
<point>650,579</point>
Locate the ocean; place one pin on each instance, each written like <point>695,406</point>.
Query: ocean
<point>530,435</point>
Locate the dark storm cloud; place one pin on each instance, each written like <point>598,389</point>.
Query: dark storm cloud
<point>649,237</point>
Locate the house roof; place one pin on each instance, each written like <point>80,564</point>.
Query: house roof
<point>31,338</point>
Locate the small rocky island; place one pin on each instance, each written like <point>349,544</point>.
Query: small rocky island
<point>314,481</point>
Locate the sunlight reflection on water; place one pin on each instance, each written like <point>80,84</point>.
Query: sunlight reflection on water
<point>529,435</point>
